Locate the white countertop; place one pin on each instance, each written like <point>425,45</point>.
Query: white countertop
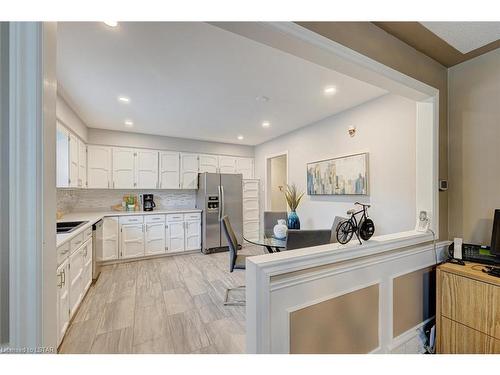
<point>94,217</point>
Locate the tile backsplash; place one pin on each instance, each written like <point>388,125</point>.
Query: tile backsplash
<point>102,200</point>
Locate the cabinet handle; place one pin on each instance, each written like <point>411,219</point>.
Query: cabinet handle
<point>60,283</point>
<point>64,277</point>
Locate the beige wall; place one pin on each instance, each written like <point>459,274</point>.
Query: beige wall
<point>474,142</point>
<point>128,139</point>
<point>278,178</point>
<point>70,118</point>
<point>371,41</point>
<point>386,129</point>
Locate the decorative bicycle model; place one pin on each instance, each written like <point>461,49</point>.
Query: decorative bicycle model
<point>363,228</point>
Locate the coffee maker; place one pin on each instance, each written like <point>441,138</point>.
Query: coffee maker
<point>147,202</point>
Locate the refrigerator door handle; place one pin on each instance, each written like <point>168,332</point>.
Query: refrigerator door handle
<point>223,213</point>
<point>219,190</point>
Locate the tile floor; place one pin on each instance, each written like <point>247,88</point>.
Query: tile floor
<point>172,304</point>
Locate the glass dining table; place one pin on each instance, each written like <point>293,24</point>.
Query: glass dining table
<point>273,245</point>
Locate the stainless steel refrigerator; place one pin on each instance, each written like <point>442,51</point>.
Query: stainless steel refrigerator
<point>219,195</point>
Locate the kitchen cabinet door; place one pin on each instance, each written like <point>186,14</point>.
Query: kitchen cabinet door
<point>193,234</point>
<point>99,167</point>
<point>62,156</point>
<point>82,164</point>
<point>75,279</point>
<point>62,300</point>
<point>155,238</point>
<point>123,168</point>
<point>209,163</point>
<point>175,236</point>
<point>245,167</point>
<point>73,160</point>
<point>146,169</point>
<point>227,164</point>
<point>109,239</point>
<point>131,240</point>
<point>169,170</point>
<point>189,171</point>
<point>87,266</point>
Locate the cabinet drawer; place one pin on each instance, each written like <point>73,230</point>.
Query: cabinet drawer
<point>63,252</point>
<point>154,218</point>
<point>132,219</point>
<point>457,338</point>
<point>87,233</point>
<point>175,217</point>
<point>472,303</point>
<point>76,242</point>
<point>194,216</point>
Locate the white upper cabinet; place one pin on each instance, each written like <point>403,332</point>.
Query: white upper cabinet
<point>189,171</point>
<point>62,146</point>
<point>227,164</point>
<point>169,170</point>
<point>245,167</point>
<point>209,163</point>
<point>98,167</point>
<point>82,164</point>
<point>146,163</point>
<point>73,160</point>
<point>123,168</point>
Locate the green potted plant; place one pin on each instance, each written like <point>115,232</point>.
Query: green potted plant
<point>293,197</point>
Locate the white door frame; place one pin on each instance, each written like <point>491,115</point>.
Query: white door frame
<point>32,178</point>
<point>266,179</point>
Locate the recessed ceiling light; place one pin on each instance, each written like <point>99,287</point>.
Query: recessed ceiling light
<point>240,137</point>
<point>129,123</point>
<point>266,124</point>
<point>124,99</point>
<point>262,98</point>
<point>330,90</point>
<point>111,23</point>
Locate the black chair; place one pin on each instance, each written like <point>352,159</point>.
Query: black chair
<point>271,219</point>
<point>235,261</point>
<point>298,239</point>
<point>336,222</point>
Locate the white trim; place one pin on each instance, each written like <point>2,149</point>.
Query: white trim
<point>266,190</point>
<point>32,191</point>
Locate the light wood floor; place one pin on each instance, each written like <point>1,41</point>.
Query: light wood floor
<point>172,304</point>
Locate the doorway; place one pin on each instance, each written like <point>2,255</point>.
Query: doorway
<point>277,179</point>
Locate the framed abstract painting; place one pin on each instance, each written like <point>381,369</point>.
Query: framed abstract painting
<point>347,175</point>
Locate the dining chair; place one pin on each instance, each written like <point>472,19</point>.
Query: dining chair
<point>236,261</point>
<point>336,221</point>
<point>298,239</point>
<point>271,219</point>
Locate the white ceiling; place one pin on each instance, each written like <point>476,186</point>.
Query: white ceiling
<point>465,36</point>
<point>194,80</point>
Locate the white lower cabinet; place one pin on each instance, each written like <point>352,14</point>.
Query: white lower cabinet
<point>109,239</point>
<point>155,235</point>
<point>131,236</point>
<point>183,232</point>
<point>87,266</point>
<point>75,280</point>
<point>192,231</point>
<point>62,300</point>
<point>175,233</point>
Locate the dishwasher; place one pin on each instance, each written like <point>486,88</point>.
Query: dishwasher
<point>96,249</point>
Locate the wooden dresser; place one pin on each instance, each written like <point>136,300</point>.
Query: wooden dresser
<point>467,310</point>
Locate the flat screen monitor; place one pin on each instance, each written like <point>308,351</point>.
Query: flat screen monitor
<point>495,236</point>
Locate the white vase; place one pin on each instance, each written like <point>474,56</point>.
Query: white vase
<point>280,229</point>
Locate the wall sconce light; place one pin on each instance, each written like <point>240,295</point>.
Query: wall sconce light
<point>352,131</point>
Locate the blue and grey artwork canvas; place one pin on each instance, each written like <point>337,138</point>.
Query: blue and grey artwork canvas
<point>339,176</point>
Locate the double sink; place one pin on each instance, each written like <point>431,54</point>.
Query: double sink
<point>69,226</point>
